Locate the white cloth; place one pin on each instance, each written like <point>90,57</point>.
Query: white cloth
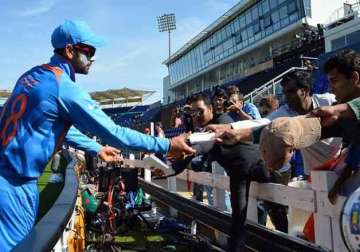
<point>318,153</point>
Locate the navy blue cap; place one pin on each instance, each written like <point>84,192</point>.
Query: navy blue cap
<point>74,32</point>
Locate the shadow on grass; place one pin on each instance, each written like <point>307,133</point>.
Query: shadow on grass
<point>49,192</point>
<point>48,196</point>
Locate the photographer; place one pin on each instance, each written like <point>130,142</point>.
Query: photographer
<point>240,110</point>
<point>186,116</point>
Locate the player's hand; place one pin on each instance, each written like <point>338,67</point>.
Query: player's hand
<point>178,147</point>
<point>110,154</point>
<point>218,129</point>
<point>232,136</point>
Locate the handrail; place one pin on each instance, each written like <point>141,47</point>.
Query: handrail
<point>49,229</point>
<point>270,84</point>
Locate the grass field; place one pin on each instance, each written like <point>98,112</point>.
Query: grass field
<point>49,191</point>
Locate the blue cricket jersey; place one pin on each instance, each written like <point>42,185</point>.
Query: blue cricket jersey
<point>43,106</point>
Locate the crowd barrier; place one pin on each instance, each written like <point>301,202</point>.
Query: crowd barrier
<point>313,200</point>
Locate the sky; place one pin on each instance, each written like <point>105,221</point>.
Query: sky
<point>134,50</point>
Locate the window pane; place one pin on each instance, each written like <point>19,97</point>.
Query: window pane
<point>255,13</point>
<point>294,17</point>
<point>273,4</point>
<point>257,27</point>
<point>265,6</point>
<point>267,21</point>
<point>275,16</point>
<point>276,26</point>
<point>238,38</point>
<point>250,31</point>
<point>353,37</point>
<point>242,21</point>
<point>338,43</point>
<point>248,17</point>
<point>284,22</point>
<point>283,12</point>
<point>244,35</point>
<point>292,7</point>
<point>237,24</point>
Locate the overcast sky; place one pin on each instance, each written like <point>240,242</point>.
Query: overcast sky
<point>134,51</point>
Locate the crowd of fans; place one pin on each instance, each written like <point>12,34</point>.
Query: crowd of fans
<point>244,161</point>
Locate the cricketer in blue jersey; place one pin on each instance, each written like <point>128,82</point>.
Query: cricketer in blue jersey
<point>40,113</point>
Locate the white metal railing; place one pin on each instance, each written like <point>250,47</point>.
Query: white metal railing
<point>345,11</point>
<point>313,200</point>
<point>269,87</point>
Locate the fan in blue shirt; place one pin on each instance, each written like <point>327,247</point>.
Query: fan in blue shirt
<point>47,107</point>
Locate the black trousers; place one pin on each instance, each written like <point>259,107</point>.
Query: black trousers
<point>278,212</point>
<point>239,190</point>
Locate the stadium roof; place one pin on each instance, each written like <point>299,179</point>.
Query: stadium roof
<point>116,96</point>
<point>4,93</point>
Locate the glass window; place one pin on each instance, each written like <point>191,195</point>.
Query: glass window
<point>276,26</point>
<point>284,22</point>
<point>212,41</point>
<point>227,44</point>
<point>229,30</point>
<point>292,7</point>
<point>220,36</point>
<point>283,12</point>
<point>294,17</point>
<point>353,37</point>
<point>237,24</point>
<point>248,17</point>
<point>238,38</point>
<point>275,16</point>
<point>244,35</point>
<point>269,30</point>
<point>242,21</point>
<point>258,6</point>
<point>257,27</point>
<point>273,4</point>
<point>218,50</point>
<point>265,6</point>
<point>255,12</point>
<point>338,43</point>
<point>267,21</point>
<point>250,31</point>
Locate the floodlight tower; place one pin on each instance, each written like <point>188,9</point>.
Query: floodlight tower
<point>167,23</point>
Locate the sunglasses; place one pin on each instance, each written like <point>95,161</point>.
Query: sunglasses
<point>88,51</point>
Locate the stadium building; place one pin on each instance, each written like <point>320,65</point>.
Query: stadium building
<point>250,44</point>
<point>343,28</point>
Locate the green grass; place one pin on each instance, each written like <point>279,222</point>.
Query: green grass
<point>137,238</point>
<point>49,191</point>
